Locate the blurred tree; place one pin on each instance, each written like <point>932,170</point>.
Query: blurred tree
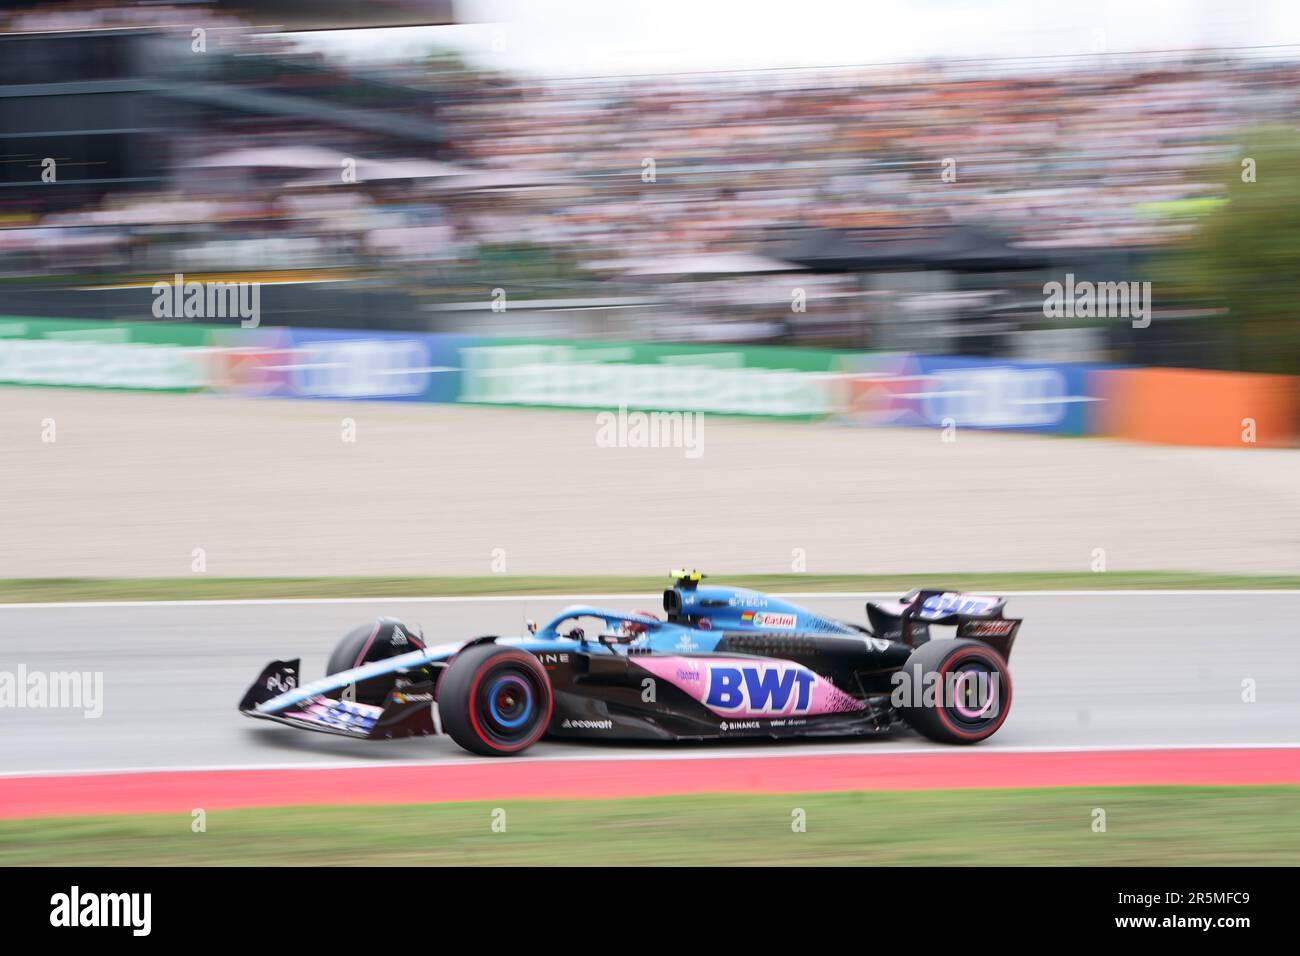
<point>1244,256</point>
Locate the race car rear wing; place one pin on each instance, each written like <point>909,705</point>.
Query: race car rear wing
<point>977,616</point>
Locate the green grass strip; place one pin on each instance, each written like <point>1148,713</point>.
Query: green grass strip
<point>201,587</point>
<point>1162,826</point>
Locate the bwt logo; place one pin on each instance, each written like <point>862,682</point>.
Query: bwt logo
<point>760,689</point>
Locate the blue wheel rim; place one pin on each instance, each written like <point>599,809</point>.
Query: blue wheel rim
<point>500,690</point>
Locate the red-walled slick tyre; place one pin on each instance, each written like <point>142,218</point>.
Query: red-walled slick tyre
<point>495,700</point>
<point>971,694</point>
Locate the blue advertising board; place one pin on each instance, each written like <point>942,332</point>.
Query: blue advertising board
<point>938,390</point>
<point>339,364</point>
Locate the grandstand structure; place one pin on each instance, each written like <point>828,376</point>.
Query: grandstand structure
<point>399,195</point>
<point>116,97</point>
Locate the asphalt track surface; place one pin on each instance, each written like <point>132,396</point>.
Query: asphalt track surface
<point>1092,671</point>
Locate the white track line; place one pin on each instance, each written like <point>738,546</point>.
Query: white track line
<point>740,753</point>
<point>641,595</point>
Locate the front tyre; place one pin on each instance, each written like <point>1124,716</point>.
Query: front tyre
<point>379,640</point>
<point>495,700</point>
<point>959,692</point>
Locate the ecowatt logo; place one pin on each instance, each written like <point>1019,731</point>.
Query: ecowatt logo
<point>569,724</point>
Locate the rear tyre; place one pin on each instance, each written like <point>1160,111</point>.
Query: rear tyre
<point>494,700</point>
<point>965,691</point>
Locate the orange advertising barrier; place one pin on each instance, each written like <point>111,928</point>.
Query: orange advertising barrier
<point>1196,407</point>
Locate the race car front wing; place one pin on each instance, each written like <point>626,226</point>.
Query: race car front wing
<point>410,711</point>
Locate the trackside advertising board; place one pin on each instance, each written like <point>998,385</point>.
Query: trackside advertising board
<point>91,354</point>
<point>786,383</point>
<point>858,388</point>
<point>334,364</point>
<point>935,390</point>
<point>271,362</point>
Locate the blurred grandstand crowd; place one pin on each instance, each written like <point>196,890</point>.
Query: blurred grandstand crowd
<point>646,196</point>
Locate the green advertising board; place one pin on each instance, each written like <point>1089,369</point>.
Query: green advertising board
<point>719,379</point>
<point>97,354</point>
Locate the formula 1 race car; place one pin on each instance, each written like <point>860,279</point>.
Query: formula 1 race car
<point>727,662</point>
